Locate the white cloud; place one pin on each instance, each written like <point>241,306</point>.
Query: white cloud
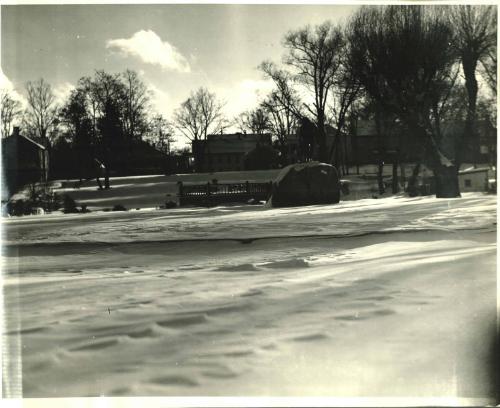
<point>149,47</point>
<point>7,85</point>
<point>62,91</point>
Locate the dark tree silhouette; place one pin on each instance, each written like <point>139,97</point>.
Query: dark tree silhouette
<point>136,105</point>
<point>255,121</point>
<point>76,117</point>
<point>475,41</point>
<point>160,133</point>
<point>199,116</point>
<point>404,58</point>
<point>41,111</point>
<point>314,54</point>
<point>283,105</point>
<point>10,110</point>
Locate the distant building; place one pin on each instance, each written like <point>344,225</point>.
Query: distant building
<point>479,149</point>
<point>366,148</point>
<point>23,161</point>
<point>226,152</point>
<point>399,142</point>
<point>473,179</point>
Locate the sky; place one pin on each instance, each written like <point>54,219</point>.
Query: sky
<point>175,48</point>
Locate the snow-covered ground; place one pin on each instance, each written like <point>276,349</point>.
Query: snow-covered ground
<point>394,297</point>
<point>149,191</point>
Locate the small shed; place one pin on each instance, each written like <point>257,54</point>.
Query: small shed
<point>473,179</point>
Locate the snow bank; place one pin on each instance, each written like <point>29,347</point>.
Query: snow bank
<point>391,214</point>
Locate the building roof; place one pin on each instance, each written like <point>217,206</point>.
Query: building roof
<point>236,143</point>
<point>12,138</point>
<point>472,170</point>
<point>238,136</point>
<point>367,127</point>
<point>32,141</point>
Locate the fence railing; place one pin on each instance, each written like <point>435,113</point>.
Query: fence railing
<point>217,193</point>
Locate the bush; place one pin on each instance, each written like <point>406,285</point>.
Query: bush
<point>19,207</point>
<point>262,158</point>
<point>39,196</point>
<point>170,204</point>
<point>69,205</point>
<point>118,207</point>
<point>84,209</point>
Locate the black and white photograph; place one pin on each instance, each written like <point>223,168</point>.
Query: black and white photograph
<point>280,204</point>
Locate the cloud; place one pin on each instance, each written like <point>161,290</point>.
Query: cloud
<point>7,85</point>
<point>149,47</point>
<point>62,91</point>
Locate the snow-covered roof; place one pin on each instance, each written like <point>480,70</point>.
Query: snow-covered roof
<point>32,141</point>
<point>473,170</point>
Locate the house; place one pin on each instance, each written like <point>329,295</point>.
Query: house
<point>395,144</point>
<point>23,161</point>
<point>473,179</point>
<point>479,149</point>
<point>398,142</point>
<point>226,152</point>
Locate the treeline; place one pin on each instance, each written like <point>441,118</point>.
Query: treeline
<point>98,126</point>
<point>412,67</point>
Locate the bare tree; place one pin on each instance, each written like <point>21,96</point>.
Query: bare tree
<point>403,57</point>
<point>76,119</point>
<point>199,116</point>
<point>346,89</point>
<point>41,111</point>
<point>137,98</point>
<point>107,95</point>
<point>283,105</point>
<point>160,133</point>
<point>10,111</point>
<point>256,121</point>
<point>475,41</point>
<point>489,71</point>
<point>315,56</point>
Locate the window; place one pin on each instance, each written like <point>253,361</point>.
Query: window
<point>468,183</point>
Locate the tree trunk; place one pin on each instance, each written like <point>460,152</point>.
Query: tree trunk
<point>198,153</point>
<point>469,139</point>
<point>322,154</point>
<point>106,177</point>
<point>380,180</point>
<point>395,181</point>
<point>402,170</point>
<point>412,182</point>
<point>446,182</point>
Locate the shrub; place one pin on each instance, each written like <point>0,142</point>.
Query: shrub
<point>118,207</point>
<point>84,209</point>
<point>262,158</point>
<point>170,204</point>
<point>19,207</point>
<point>69,205</point>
